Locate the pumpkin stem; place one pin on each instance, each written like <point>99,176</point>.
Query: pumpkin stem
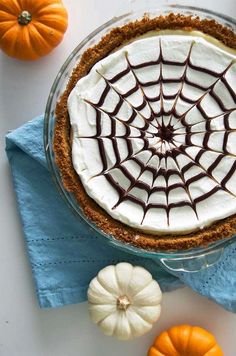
<point>24,18</point>
<point>123,303</point>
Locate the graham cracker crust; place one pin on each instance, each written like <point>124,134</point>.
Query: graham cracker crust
<point>62,148</point>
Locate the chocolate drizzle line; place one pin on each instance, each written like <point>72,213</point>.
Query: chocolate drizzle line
<point>164,126</point>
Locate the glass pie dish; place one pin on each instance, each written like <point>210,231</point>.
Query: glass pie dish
<point>190,260</point>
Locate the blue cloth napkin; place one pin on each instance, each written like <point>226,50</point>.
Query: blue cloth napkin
<point>64,253</point>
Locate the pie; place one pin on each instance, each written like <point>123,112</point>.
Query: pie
<point>145,133</point>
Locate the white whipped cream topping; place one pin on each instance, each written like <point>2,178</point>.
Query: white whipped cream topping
<point>153,201</point>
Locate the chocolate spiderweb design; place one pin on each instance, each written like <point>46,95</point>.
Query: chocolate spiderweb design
<point>171,126</point>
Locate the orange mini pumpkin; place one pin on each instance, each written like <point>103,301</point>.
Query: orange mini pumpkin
<point>185,340</point>
<point>30,29</point>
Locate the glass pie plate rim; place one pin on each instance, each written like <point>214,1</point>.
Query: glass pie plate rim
<point>182,260</point>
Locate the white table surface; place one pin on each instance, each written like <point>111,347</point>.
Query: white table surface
<point>25,330</point>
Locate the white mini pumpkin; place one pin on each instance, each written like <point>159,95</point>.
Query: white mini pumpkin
<point>124,300</point>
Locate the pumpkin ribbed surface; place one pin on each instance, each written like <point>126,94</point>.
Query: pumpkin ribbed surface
<point>30,29</point>
<point>124,301</point>
<point>185,340</point>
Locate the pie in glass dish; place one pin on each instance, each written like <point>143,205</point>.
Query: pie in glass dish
<point>145,132</point>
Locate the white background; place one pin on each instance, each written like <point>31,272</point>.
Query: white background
<point>25,330</point>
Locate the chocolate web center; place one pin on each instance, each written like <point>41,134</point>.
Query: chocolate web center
<point>166,133</point>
